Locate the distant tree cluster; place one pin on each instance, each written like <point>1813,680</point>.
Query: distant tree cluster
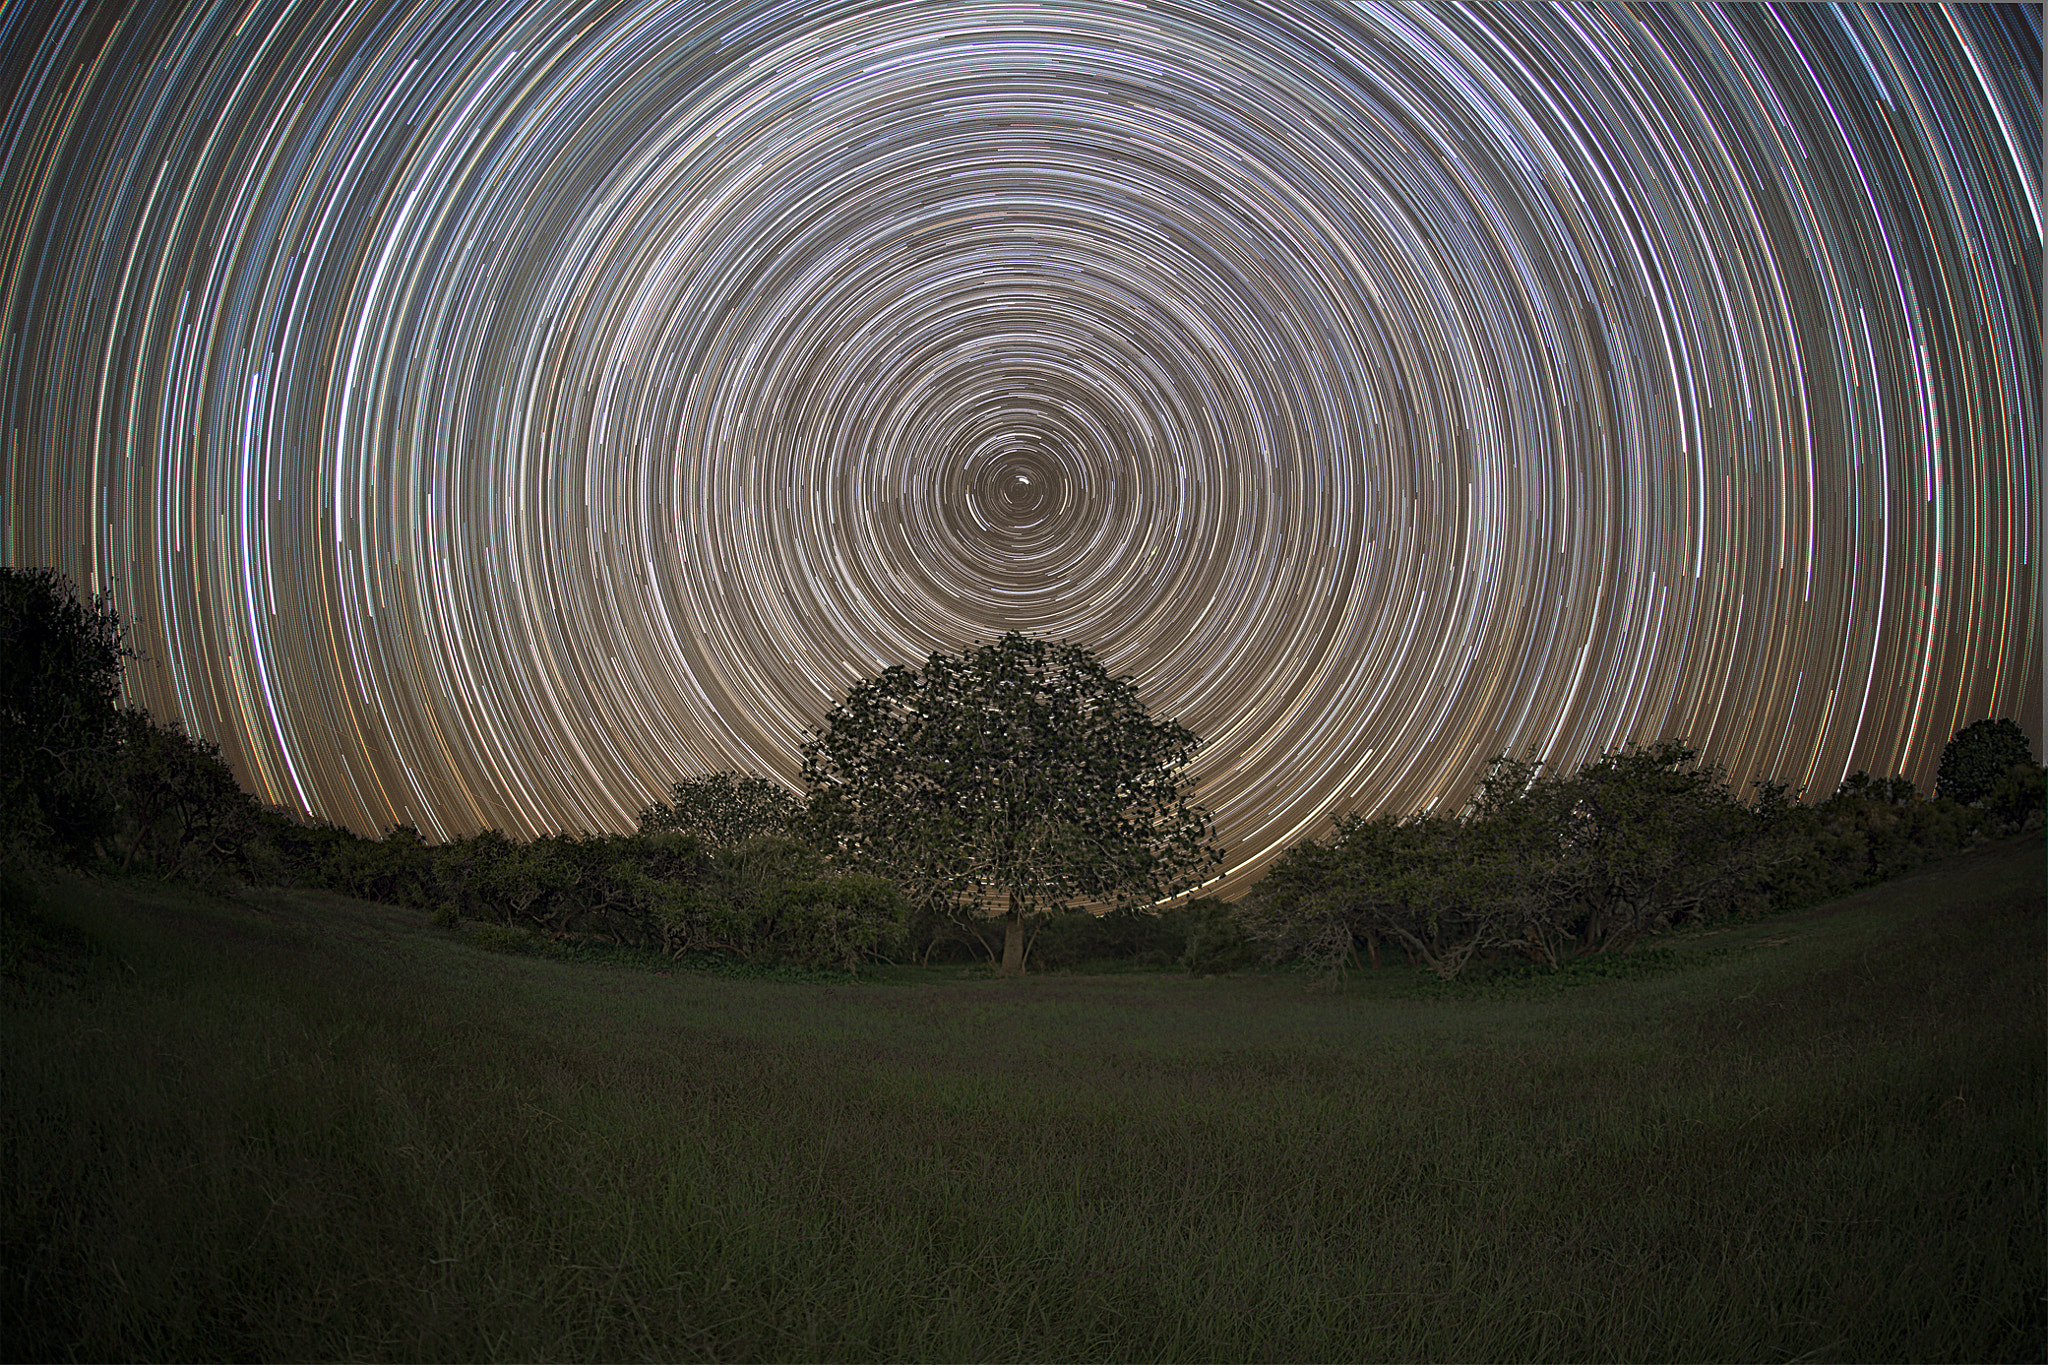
<point>723,810</point>
<point>1012,802</point>
<point>764,898</point>
<point>1642,840</point>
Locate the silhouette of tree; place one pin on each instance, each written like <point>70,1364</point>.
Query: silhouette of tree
<point>60,675</point>
<point>1018,776</point>
<point>1978,757</point>
<point>722,810</point>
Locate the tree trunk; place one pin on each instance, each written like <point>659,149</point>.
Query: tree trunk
<point>1013,939</point>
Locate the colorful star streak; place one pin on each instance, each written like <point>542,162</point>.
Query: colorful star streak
<point>490,413</point>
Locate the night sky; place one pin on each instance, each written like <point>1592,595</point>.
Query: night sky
<point>487,414</point>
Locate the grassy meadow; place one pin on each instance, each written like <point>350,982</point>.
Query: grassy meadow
<point>294,1126</point>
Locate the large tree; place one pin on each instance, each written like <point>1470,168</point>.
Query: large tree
<point>60,676</point>
<point>1016,778</point>
<point>1978,757</point>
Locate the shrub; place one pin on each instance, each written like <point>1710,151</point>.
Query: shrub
<point>722,810</point>
<point>180,806</point>
<point>1641,840</point>
<point>837,921</point>
<point>2016,800</point>
<point>1135,934</point>
<point>1216,939</point>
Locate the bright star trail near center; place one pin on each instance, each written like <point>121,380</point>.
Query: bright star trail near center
<point>488,414</point>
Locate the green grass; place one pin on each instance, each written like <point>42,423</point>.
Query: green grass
<point>300,1127</point>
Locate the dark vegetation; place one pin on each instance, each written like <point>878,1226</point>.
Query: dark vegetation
<point>1548,868</point>
<point>1018,776</point>
<point>933,834</point>
<point>296,1126</point>
<point>1634,1082</point>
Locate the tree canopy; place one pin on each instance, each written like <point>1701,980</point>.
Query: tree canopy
<point>722,810</point>
<point>1547,866</point>
<point>60,677</point>
<point>1977,758</point>
<point>1019,772</point>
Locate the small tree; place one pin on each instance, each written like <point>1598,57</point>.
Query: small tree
<point>179,801</point>
<point>1978,757</point>
<point>722,810</point>
<point>517,880</point>
<point>1644,835</point>
<point>1018,776</point>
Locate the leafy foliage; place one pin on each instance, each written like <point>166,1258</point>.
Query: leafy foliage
<point>1647,839</point>
<point>180,805</point>
<point>1976,760</point>
<point>1439,889</point>
<point>60,675</point>
<point>1548,869</point>
<point>1541,866</point>
<point>1018,771</point>
<point>722,810</point>
<point>766,900</point>
<point>1213,939</point>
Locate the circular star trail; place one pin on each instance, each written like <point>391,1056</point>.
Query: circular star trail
<point>490,413</point>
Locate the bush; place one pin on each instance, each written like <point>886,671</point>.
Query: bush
<point>1639,841</point>
<point>722,810</point>
<point>2016,800</point>
<point>1135,934</point>
<point>836,921</point>
<point>180,806</point>
<point>1216,940</point>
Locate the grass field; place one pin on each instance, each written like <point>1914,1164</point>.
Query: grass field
<point>299,1127</point>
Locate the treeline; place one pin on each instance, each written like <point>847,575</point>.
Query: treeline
<point>1542,865</point>
<point>767,898</point>
<point>89,784</point>
<point>763,894</point>
<point>715,869</point>
<point>1649,838</point>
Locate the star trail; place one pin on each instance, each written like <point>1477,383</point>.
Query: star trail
<point>489,413</point>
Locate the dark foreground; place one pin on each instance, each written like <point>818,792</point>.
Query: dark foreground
<point>299,1127</point>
